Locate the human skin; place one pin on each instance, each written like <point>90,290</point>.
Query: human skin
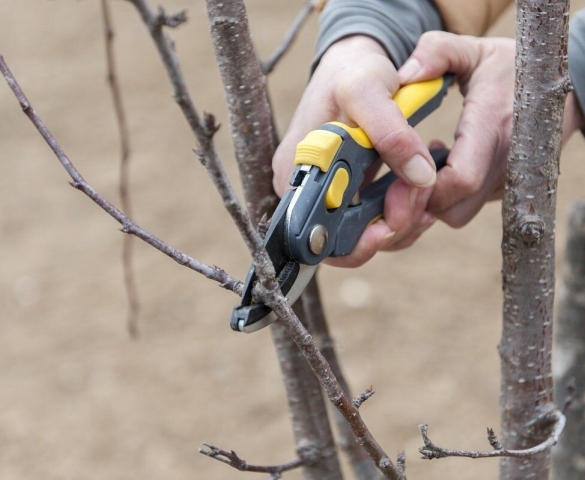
<point>354,83</point>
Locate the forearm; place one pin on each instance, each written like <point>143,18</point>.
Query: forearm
<point>396,25</point>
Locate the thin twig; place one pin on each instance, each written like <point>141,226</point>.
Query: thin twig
<point>203,132</point>
<point>308,8</point>
<point>278,303</point>
<point>128,226</point>
<point>232,459</point>
<point>430,451</point>
<point>362,397</point>
<point>362,465</point>
<point>267,290</point>
<point>124,192</point>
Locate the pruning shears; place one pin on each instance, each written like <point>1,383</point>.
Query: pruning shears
<point>326,211</point>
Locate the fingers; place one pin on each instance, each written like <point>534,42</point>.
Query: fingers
<point>354,84</point>
<point>365,99</point>
<point>439,52</point>
<point>476,165</point>
<point>405,219</point>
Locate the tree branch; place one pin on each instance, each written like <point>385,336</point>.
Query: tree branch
<point>528,240</point>
<point>124,192</point>
<point>204,132</point>
<point>232,459</point>
<point>431,451</point>
<point>248,106</point>
<point>128,226</point>
<point>308,8</point>
<point>361,463</point>
<point>249,132</point>
<point>278,303</point>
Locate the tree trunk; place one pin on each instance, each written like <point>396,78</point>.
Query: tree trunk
<point>529,233</point>
<point>253,138</point>
<point>569,363</point>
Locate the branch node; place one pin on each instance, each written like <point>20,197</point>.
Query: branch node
<point>401,462</point>
<point>309,454</point>
<point>263,226</point>
<point>532,229</point>
<point>75,184</point>
<point>162,19</point>
<point>209,124</point>
<point>493,439</point>
<point>362,397</point>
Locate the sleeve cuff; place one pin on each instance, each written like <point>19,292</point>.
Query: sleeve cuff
<point>396,25</point>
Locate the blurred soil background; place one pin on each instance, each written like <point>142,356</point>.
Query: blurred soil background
<point>80,400</point>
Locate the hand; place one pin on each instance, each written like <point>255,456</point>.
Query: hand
<point>484,69</point>
<point>354,83</point>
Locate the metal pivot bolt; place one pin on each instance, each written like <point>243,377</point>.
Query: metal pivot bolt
<point>318,239</point>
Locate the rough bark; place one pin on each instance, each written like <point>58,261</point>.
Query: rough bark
<point>312,431</point>
<point>249,109</point>
<point>569,362</point>
<point>529,233</point>
<point>251,126</point>
<point>362,465</point>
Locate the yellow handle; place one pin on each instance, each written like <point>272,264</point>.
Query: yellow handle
<point>415,101</point>
<point>411,98</point>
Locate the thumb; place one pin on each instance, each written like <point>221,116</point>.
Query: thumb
<point>439,52</point>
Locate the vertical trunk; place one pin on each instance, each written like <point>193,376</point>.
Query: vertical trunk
<point>311,427</point>
<point>569,361</point>
<point>254,142</point>
<point>529,230</point>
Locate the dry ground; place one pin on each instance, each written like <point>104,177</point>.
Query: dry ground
<point>80,400</point>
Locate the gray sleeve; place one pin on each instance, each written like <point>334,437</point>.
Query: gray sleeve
<point>395,24</point>
<point>577,57</point>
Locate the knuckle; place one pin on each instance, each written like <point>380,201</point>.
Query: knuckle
<point>352,84</point>
<point>395,143</point>
<point>467,184</point>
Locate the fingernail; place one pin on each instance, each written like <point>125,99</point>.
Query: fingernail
<point>419,171</point>
<point>387,240</point>
<point>410,68</point>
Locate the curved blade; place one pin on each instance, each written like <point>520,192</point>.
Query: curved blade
<point>304,276</point>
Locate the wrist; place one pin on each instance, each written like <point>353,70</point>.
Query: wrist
<point>353,45</point>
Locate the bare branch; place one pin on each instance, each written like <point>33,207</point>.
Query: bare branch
<point>528,220</point>
<point>232,459</point>
<point>245,91</point>
<point>278,303</point>
<point>128,226</point>
<point>362,397</point>
<point>124,192</point>
<point>360,462</point>
<point>290,36</point>
<point>204,132</point>
<point>173,20</point>
<point>431,451</point>
<point>249,143</point>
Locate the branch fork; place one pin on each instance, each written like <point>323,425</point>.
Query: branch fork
<point>431,451</point>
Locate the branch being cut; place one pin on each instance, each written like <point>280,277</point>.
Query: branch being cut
<point>245,90</point>
<point>431,451</point>
<point>124,192</point>
<point>308,8</point>
<point>278,303</point>
<point>232,459</point>
<point>128,226</point>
